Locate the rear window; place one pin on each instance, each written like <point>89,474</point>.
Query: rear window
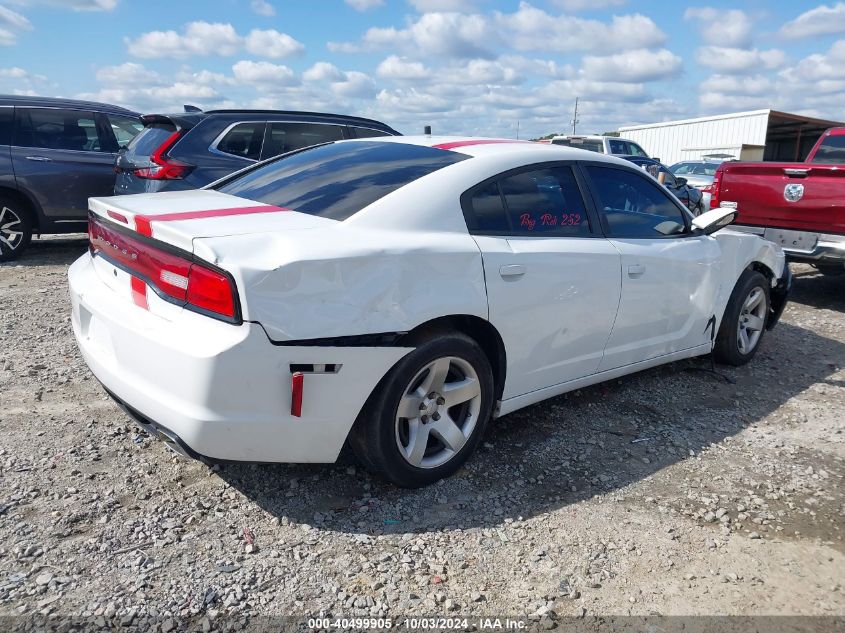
<point>338,180</point>
<point>580,143</point>
<point>149,140</point>
<point>831,151</point>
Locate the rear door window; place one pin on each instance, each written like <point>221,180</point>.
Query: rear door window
<point>831,151</point>
<point>339,179</point>
<point>49,128</point>
<point>287,137</point>
<point>6,125</point>
<point>365,132</point>
<point>620,148</point>
<point>124,128</point>
<point>243,140</point>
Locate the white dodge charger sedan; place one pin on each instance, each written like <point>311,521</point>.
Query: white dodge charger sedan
<point>399,293</point>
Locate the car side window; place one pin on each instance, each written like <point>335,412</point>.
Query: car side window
<point>634,206</point>
<point>6,126</point>
<point>57,129</point>
<point>287,137</point>
<point>636,150</point>
<point>243,140</point>
<point>618,147</point>
<point>365,132</point>
<point>124,128</point>
<point>537,202</point>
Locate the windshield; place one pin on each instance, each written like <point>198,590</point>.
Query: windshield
<point>831,151</point>
<point>339,179</point>
<point>694,169</point>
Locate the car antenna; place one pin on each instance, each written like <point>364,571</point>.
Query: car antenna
<point>427,130</point>
<point>191,108</point>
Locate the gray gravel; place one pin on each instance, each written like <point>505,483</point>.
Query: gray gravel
<point>668,492</point>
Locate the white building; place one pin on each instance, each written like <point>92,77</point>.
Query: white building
<point>755,135</point>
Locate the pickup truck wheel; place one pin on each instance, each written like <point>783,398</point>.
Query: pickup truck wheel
<point>15,228</point>
<point>428,413</point>
<point>744,322</point>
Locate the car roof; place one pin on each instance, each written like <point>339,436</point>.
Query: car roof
<point>56,102</point>
<point>247,114</point>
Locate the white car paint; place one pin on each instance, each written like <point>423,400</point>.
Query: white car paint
<point>570,311</point>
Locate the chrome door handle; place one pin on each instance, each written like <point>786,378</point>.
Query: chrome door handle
<point>798,173</point>
<point>512,270</point>
<point>40,159</point>
<point>637,270</point>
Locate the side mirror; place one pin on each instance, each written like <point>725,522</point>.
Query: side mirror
<point>715,219</point>
<point>680,181</point>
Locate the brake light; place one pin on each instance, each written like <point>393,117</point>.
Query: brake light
<point>715,189</point>
<point>165,168</point>
<point>174,277</point>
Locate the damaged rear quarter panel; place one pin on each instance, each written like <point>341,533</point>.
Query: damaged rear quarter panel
<point>344,281</point>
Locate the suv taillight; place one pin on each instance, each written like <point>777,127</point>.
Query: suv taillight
<point>715,189</point>
<point>164,167</point>
<point>174,276</point>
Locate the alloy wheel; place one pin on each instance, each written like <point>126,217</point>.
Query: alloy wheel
<point>752,320</point>
<point>11,228</point>
<point>438,412</point>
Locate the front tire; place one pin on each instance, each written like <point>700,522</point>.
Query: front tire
<point>427,415</point>
<point>744,322</point>
<point>15,228</point>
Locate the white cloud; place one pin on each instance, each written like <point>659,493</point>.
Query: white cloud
<point>632,66</point>
<point>10,22</point>
<point>364,5</point>
<point>128,74</point>
<point>823,20</point>
<point>13,73</point>
<point>262,7</point>
<point>263,73</point>
<point>355,84</point>
<point>462,36</point>
<point>74,5</point>
<point>585,5</point>
<point>728,60</point>
<point>322,71</point>
<point>401,68</point>
<point>819,66</point>
<point>206,38</point>
<point>429,6</point>
<point>273,44</point>
<point>722,27</point>
<point>530,28</point>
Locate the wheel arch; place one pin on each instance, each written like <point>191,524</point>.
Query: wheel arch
<point>480,330</point>
<point>27,201</point>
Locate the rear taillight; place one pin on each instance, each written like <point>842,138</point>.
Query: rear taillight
<point>715,189</point>
<point>164,167</point>
<point>175,277</point>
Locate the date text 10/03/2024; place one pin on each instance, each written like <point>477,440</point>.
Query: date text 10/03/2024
<point>416,624</point>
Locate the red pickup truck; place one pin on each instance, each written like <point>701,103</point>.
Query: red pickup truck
<point>800,206</point>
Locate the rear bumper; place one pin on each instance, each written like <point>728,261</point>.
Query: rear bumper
<point>218,390</point>
<point>827,249</point>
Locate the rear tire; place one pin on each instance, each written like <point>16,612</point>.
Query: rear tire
<point>15,228</point>
<point>744,322</point>
<point>444,388</point>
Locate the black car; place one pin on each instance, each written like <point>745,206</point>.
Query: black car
<point>54,155</point>
<point>193,149</point>
<point>692,198</point>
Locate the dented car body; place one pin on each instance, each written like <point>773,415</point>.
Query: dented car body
<point>258,319</point>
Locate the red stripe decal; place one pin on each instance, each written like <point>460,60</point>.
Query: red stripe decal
<point>490,141</point>
<point>297,383</point>
<point>114,215</point>
<point>139,293</point>
<point>143,223</point>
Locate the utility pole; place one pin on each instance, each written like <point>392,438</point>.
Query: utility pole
<point>575,117</point>
<point>517,130</point>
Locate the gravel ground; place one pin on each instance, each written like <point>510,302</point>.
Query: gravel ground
<point>668,492</point>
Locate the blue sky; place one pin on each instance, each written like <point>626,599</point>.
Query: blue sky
<point>463,66</point>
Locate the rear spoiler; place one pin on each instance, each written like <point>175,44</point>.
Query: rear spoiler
<point>175,121</point>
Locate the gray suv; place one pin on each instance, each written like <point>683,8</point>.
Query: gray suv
<point>54,155</point>
<point>192,149</point>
